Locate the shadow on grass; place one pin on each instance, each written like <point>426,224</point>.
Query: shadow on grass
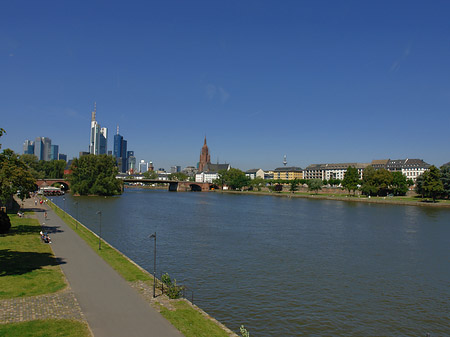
<point>18,263</point>
<point>31,229</point>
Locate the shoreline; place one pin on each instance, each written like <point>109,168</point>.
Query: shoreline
<point>373,200</point>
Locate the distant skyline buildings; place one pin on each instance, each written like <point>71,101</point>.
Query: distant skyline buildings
<point>98,137</point>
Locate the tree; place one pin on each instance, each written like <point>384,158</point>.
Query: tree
<point>351,179</point>
<point>399,184</point>
<point>382,179</point>
<point>257,183</point>
<point>234,178</point>
<point>445,178</point>
<point>95,175</point>
<point>432,185</point>
<point>15,177</point>
<point>368,186</point>
<point>150,175</point>
<point>294,185</point>
<point>179,176</point>
<point>314,184</point>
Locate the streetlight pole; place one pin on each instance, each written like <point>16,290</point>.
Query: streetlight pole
<point>100,236</point>
<point>154,264</point>
<point>76,220</point>
<point>64,207</point>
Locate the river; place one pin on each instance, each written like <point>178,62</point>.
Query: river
<point>288,266</point>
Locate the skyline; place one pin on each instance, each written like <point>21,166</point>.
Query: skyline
<point>318,82</point>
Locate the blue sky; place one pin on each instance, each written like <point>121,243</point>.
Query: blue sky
<point>318,81</point>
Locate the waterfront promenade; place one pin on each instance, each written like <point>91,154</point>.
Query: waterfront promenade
<point>110,306</point>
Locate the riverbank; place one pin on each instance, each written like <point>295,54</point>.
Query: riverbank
<point>184,315</point>
<point>403,201</point>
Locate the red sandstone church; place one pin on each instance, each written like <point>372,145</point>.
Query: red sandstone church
<point>208,172</point>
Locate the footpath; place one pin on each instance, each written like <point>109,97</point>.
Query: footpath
<point>111,307</point>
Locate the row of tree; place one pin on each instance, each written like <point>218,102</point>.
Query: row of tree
<point>41,169</point>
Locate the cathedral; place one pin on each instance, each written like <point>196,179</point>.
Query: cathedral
<point>205,162</point>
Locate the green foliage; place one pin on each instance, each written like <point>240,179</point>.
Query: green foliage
<point>334,182</point>
<point>399,184</point>
<point>445,178</point>
<point>95,175</point>
<point>150,175</point>
<point>174,291</point>
<point>294,185</point>
<point>179,176</point>
<point>257,183</point>
<point>234,178</point>
<point>315,185</point>
<point>41,169</point>
<point>431,184</point>
<point>244,331</point>
<point>351,179</point>
<point>14,177</point>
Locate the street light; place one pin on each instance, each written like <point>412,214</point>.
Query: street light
<point>100,236</point>
<point>64,207</point>
<point>76,219</point>
<point>154,265</point>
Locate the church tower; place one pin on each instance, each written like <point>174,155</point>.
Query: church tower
<point>204,157</point>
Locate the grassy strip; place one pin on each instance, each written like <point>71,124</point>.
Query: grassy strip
<point>45,328</point>
<point>185,318</point>
<point>117,260</point>
<point>191,322</point>
<point>28,266</point>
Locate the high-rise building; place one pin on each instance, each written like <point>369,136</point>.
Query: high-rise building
<point>99,136</point>
<point>143,166</point>
<point>54,152</point>
<point>175,169</point>
<point>28,147</point>
<point>204,157</point>
<point>62,157</point>
<point>131,161</point>
<point>42,148</point>
<point>120,151</point>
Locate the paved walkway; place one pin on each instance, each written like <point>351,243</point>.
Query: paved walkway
<point>60,305</point>
<point>111,307</point>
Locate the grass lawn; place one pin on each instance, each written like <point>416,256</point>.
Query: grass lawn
<point>191,322</point>
<point>45,328</point>
<point>27,267</point>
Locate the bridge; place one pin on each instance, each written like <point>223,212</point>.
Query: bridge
<point>49,182</point>
<point>176,186</point>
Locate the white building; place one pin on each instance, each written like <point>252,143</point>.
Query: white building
<point>99,136</point>
<point>255,173</point>
<point>331,171</point>
<point>206,177</point>
<point>143,166</point>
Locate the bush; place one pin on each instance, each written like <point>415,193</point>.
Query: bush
<point>174,291</point>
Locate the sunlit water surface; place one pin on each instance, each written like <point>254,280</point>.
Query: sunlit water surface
<point>286,266</point>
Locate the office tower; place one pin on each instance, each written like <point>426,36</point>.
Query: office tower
<point>54,152</point>
<point>62,157</point>
<point>143,166</point>
<point>28,147</point>
<point>131,161</point>
<point>120,151</point>
<point>99,136</point>
<point>42,148</point>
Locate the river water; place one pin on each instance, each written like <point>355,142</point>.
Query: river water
<point>288,266</point>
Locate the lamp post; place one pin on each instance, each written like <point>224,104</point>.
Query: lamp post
<point>100,235</point>
<point>154,265</point>
<point>64,207</point>
<point>76,220</point>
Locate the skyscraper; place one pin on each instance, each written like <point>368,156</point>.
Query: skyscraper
<point>42,148</point>
<point>120,152</point>
<point>28,147</point>
<point>99,136</point>
<point>54,152</point>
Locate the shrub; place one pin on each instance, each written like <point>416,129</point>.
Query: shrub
<point>5,223</point>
